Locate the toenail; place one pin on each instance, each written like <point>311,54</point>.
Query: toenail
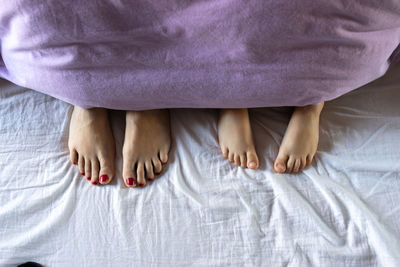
<point>82,173</point>
<point>280,166</point>
<point>103,178</point>
<point>94,182</point>
<point>150,179</point>
<point>75,163</point>
<point>141,185</point>
<point>157,173</point>
<point>130,181</point>
<point>252,164</point>
<point>88,178</point>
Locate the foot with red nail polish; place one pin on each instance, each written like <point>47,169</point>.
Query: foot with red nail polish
<point>91,144</point>
<point>146,145</point>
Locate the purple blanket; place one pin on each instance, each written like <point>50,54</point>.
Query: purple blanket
<point>146,54</point>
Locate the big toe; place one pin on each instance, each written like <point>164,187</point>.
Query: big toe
<point>280,163</point>
<point>106,172</point>
<point>252,160</point>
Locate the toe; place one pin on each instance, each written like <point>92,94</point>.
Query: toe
<point>140,174</point>
<point>297,164</point>
<point>290,164</point>
<point>106,171</point>
<point>303,163</point>
<point>88,168</point>
<point>280,163</point>
<point>309,160</point>
<point>243,160</point>
<point>163,156</point>
<point>237,159</point>
<point>149,170</point>
<point>128,173</point>
<point>128,169</point>
<point>95,170</point>
<point>81,164</point>
<point>231,156</point>
<point>224,151</point>
<point>73,156</point>
<point>252,160</point>
<point>157,165</point>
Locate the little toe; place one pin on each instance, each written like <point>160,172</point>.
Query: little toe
<point>308,160</point>
<point>141,181</point>
<point>243,160</point>
<point>280,163</point>
<point>163,156</point>
<point>252,160</point>
<point>297,164</point>
<point>157,165</point>
<point>237,159</point>
<point>73,156</point>
<point>88,168</point>
<point>81,164</point>
<point>149,170</point>
<point>224,151</point>
<point>290,164</point>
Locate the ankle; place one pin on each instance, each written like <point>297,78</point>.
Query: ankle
<point>233,111</point>
<point>312,110</point>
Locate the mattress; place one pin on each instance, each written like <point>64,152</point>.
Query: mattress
<point>204,211</point>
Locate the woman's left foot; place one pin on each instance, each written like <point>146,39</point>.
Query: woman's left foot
<point>300,142</point>
<point>236,139</point>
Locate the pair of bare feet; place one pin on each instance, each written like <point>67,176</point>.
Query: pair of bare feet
<point>148,139</point>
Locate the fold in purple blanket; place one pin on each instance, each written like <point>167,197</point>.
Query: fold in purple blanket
<point>147,54</point>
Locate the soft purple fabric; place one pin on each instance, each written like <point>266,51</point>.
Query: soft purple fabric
<point>146,54</point>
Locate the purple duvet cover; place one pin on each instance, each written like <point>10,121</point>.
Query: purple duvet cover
<point>147,54</point>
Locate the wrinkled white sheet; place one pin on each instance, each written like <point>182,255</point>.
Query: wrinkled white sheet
<point>204,211</point>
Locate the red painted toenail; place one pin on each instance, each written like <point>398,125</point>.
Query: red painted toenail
<point>130,181</point>
<point>82,173</point>
<point>103,178</point>
<point>75,163</point>
<point>94,182</point>
<point>88,178</point>
<point>141,185</point>
<point>150,179</point>
<point>157,173</point>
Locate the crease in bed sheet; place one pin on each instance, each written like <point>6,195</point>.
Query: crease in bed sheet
<point>341,211</point>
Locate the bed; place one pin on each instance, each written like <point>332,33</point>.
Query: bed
<point>343,210</point>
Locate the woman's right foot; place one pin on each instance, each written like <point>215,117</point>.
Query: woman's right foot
<point>91,144</point>
<point>146,145</point>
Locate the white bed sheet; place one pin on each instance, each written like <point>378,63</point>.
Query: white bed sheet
<point>204,211</point>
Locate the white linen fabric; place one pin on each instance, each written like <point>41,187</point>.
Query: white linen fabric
<point>204,211</point>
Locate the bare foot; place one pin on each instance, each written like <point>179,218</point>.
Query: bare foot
<point>146,145</point>
<point>91,144</point>
<point>300,142</point>
<point>236,139</point>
